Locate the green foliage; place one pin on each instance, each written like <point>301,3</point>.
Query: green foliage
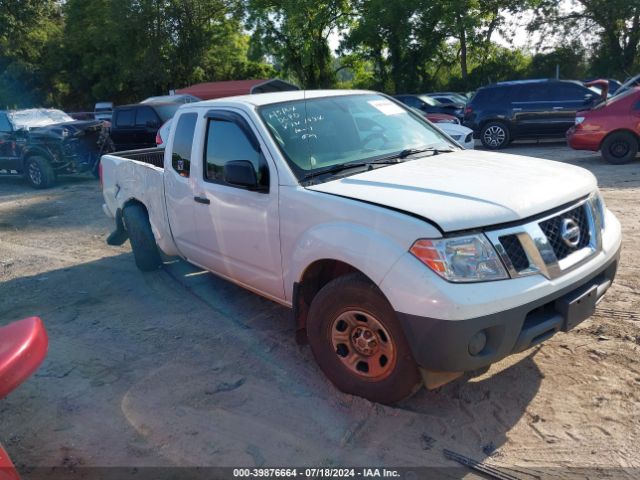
<point>295,33</point>
<point>614,23</point>
<point>27,30</point>
<point>72,53</point>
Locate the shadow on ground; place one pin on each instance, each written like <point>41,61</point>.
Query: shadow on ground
<point>162,369</point>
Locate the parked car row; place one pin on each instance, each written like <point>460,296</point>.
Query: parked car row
<point>594,115</point>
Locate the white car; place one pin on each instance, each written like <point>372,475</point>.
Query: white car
<point>460,133</point>
<point>404,258</point>
<point>103,111</point>
<point>163,134</point>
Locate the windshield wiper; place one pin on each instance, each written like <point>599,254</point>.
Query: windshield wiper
<point>414,151</point>
<point>348,166</point>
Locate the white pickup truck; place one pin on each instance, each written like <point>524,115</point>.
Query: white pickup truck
<point>405,259</point>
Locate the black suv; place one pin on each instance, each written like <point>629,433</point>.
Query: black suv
<point>506,111</point>
<point>135,126</point>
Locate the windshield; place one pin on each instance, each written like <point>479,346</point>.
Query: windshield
<point>325,132</point>
<point>38,117</point>
<point>166,111</point>
<point>432,102</point>
<point>616,98</point>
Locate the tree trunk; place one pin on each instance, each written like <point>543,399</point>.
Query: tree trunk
<point>463,55</point>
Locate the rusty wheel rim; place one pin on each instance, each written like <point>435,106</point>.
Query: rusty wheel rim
<point>363,345</point>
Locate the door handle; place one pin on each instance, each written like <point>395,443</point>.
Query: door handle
<point>204,200</point>
<point>558,108</point>
<point>516,109</point>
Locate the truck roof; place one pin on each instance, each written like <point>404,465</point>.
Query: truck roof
<point>260,99</point>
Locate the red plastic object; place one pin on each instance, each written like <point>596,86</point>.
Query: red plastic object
<point>7,471</point>
<point>23,346</point>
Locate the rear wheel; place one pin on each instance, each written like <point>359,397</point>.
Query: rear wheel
<point>39,172</point>
<point>620,148</point>
<point>495,135</point>
<point>143,243</point>
<point>358,343</point>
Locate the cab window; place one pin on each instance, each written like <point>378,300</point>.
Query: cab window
<point>227,142</point>
<point>182,143</point>
<point>125,118</point>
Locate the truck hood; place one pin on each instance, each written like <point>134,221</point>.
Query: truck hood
<point>468,189</point>
<point>61,131</point>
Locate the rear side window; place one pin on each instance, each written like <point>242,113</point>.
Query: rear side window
<point>490,95</point>
<point>226,142</point>
<point>535,92</point>
<point>166,111</point>
<point>567,92</point>
<point>126,118</point>
<point>182,144</point>
<point>5,126</point>
<point>146,117</point>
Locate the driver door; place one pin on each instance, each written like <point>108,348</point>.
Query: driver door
<point>239,228</point>
<point>9,153</point>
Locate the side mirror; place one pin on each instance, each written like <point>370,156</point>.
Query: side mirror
<point>240,173</point>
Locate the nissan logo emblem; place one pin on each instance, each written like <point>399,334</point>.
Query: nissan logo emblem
<point>570,232</point>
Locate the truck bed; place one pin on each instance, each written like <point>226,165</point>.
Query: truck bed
<point>138,175</point>
<point>152,156</point>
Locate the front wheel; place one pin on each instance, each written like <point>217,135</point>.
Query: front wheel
<point>39,172</point>
<point>358,342</point>
<point>620,148</point>
<point>495,135</point>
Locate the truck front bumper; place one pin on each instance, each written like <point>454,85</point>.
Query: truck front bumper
<point>470,344</point>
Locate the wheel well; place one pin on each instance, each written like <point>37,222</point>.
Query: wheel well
<point>496,120</point>
<point>120,212</point>
<point>316,276</point>
<point>620,130</point>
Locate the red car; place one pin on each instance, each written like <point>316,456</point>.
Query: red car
<point>441,118</point>
<point>613,127</point>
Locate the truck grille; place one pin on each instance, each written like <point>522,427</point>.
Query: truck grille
<point>552,228</point>
<point>554,244</point>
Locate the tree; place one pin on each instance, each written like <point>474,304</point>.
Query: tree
<point>125,50</point>
<point>400,39</point>
<point>615,24</point>
<point>27,27</point>
<point>295,33</point>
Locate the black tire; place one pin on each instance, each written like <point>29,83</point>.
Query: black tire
<point>399,377</point>
<point>495,135</point>
<point>39,172</point>
<point>95,171</point>
<point>143,243</point>
<point>620,148</point>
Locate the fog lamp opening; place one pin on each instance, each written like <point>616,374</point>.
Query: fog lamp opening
<point>477,343</point>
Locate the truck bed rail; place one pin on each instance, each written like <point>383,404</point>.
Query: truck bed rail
<point>152,156</point>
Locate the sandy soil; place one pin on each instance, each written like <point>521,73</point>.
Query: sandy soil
<point>181,368</point>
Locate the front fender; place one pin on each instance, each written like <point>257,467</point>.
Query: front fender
<point>357,245</point>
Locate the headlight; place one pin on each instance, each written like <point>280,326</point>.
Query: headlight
<point>579,120</point>
<point>470,258</point>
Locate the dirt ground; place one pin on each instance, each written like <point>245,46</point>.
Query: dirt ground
<point>180,368</point>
